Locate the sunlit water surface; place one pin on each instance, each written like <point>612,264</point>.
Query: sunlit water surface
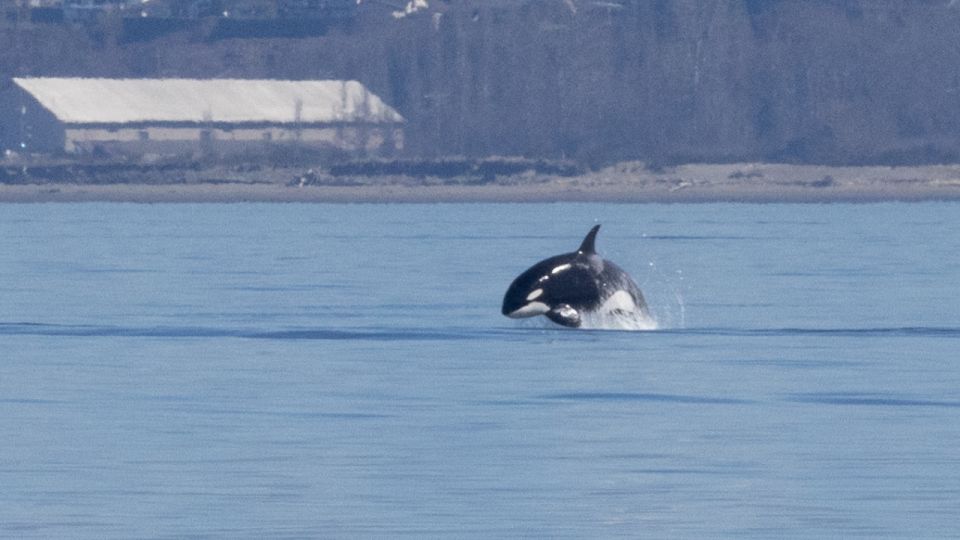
<point>312,371</point>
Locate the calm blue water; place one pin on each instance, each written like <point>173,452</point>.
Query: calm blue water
<point>313,371</point>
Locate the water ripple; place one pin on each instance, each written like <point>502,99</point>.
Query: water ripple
<point>872,400</point>
<point>339,334</point>
<point>445,334</point>
<point>647,397</point>
<point>906,331</point>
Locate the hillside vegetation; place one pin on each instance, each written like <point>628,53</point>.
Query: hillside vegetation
<point>817,81</point>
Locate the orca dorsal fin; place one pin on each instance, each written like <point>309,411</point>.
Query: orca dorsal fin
<point>587,247</point>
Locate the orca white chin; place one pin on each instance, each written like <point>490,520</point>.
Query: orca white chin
<point>530,310</point>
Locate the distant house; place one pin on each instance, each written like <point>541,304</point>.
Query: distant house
<point>174,116</point>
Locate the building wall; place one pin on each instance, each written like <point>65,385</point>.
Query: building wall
<point>161,139</point>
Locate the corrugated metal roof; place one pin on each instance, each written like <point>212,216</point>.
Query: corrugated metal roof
<point>78,100</point>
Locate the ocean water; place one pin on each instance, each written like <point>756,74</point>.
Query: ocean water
<point>343,371</point>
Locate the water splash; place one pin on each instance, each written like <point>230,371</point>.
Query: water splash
<point>633,321</point>
<point>664,291</point>
<point>668,309</point>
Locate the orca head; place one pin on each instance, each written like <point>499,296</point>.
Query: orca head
<point>529,294</point>
<point>545,288</point>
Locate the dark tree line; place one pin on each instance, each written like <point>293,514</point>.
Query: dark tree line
<point>829,81</point>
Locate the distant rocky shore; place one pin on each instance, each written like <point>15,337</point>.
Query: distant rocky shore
<point>462,180</point>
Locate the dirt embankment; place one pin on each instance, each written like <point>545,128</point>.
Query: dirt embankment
<point>476,181</point>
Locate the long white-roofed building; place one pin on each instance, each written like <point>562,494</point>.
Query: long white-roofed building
<point>171,116</point>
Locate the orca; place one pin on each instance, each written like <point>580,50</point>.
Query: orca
<point>573,287</point>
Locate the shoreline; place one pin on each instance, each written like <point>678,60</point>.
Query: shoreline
<point>628,182</point>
